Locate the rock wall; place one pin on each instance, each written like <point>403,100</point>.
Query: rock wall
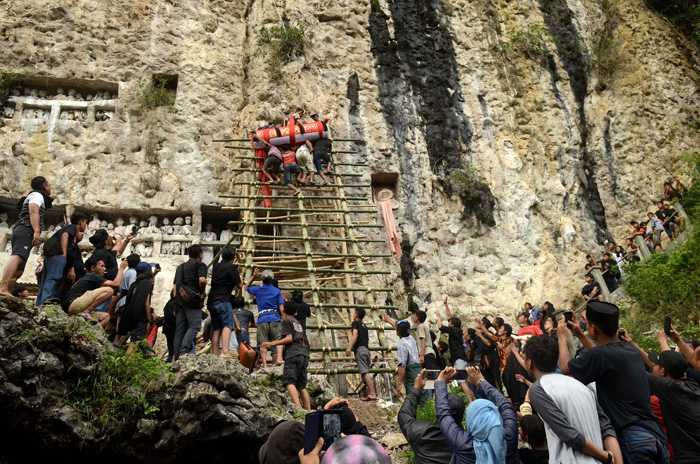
<point>553,162</point>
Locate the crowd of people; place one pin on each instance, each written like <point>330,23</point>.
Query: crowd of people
<point>306,160</point>
<point>616,256</point>
<point>598,398</point>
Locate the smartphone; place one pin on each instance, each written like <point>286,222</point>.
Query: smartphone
<point>620,334</point>
<point>326,424</point>
<point>667,325</point>
<point>568,316</point>
<point>135,230</point>
<point>430,378</point>
<point>461,374</point>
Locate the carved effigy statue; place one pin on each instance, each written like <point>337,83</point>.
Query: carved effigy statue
<point>71,95</point>
<point>208,236</point>
<point>93,225</point>
<point>3,221</point>
<point>153,225</point>
<point>167,230</point>
<point>103,224</point>
<point>59,94</point>
<point>187,228</point>
<point>120,228</point>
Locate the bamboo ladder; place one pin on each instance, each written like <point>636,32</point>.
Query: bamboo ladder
<point>321,273</point>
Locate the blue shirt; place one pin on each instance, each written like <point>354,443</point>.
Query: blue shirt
<point>269,299</point>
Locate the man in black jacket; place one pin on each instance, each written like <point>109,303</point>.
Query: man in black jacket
<point>427,442</point>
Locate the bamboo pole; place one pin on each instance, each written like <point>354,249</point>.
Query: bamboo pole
<point>316,269</point>
<point>339,289</point>
<point>349,174</point>
<point>339,327</point>
<point>359,165</point>
<point>310,224</point>
<point>299,210</point>
<point>324,349</point>
<point>331,372</point>
<point>314,253</point>
<point>293,197</point>
<point>325,188</point>
<point>233,147</point>
<point>322,334</point>
<point>231,140</point>
<point>291,238</point>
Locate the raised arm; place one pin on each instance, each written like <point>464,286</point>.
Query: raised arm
<point>118,279</point>
<point>407,413</point>
<point>628,339</point>
<point>564,355</point>
<point>447,309</point>
<point>455,436</point>
<point>255,274</point>
<point>505,408</point>
<point>685,348</point>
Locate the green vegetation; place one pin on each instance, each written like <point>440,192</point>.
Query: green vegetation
<point>427,412</point>
<point>114,400</point>
<point>376,6</point>
<point>668,284</point>
<point>530,40</point>
<point>684,14</point>
<point>9,80</point>
<point>283,45</point>
<point>607,53</point>
<point>154,93</point>
<point>409,455</point>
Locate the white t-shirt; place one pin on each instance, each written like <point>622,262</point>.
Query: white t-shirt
<point>36,198</point>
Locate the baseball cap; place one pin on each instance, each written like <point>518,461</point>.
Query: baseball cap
<point>142,267</point>
<point>674,363</point>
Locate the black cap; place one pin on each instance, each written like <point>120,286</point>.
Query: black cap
<point>674,363</point>
<point>99,238</point>
<point>457,407</point>
<point>601,312</point>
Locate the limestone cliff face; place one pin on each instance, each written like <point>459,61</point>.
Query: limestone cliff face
<point>565,162</point>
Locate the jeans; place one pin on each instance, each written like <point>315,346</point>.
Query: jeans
<point>288,171</point>
<point>639,445</point>
<point>53,273</point>
<point>244,337</point>
<point>188,321</point>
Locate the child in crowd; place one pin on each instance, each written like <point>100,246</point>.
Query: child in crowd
<point>296,355</point>
<point>533,433</point>
<point>245,318</point>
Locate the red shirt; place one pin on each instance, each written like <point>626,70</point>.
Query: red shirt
<point>530,330</point>
<point>289,157</point>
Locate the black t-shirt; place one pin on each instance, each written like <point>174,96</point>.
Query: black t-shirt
<point>662,214</point>
<point>245,317</point>
<point>680,406</point>
<point>455,342</point>
<point>188,274</point>
<point>621,384</point>
<point>299,345</point>
<point>135,307</point>
<point>693,374</point>
<point>588,289</point>
<point>91,281</point>
<point>224,278</point>
<point>362,335</point>
<point>109,257</point>
<point>323,145</point>
<point>531,456</point>
<point>72,231</point>
<point>303,311</point>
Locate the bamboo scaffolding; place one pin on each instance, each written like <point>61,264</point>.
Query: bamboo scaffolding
<point>332,372</point>
<point>323,349</point>
<point>292,238</point>
<point>359,165</point>
<point>339,289</point>
<point>310,224</point>
<point>299,210</point>
<point>248,140</point>
<point>326,187</point>
<point>314,253</point>
<point>316,269</point>
<point>343,327</point>
<point>349,174</point>
<point>293,197</point>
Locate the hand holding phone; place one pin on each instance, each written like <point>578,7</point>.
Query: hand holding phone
<point>326,424</point>
<point>568,316</point>
<point>667,325</point>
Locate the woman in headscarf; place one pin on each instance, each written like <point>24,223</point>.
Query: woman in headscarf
<point>492,426</point>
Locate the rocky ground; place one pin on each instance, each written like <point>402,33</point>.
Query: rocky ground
<point>201,408</point>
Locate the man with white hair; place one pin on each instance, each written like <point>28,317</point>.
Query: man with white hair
<point>270,304</point>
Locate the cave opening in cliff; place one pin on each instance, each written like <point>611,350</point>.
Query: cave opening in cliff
<point>217,217</point>
<point>385,181</point>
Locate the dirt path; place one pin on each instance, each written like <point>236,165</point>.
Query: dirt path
<point>380,419</point>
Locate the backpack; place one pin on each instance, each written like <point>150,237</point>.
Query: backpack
<point>52,247</point>
<point>247,355</point>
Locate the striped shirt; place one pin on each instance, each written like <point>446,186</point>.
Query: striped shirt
<point>407,351</point>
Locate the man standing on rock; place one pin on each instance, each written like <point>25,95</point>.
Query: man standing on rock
<point>191,277</point>
<point>270,305</point>
<point>27,232</point>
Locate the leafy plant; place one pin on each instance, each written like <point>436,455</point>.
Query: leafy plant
<point>607,53</point>
<point>283,44</point>
<point>684,14</point>
<point>8,81</point>
<point>427,412</point>
<point>409,455</point>
<point>154,93</point>
<point>115,399</point>
<point>529,39</point>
